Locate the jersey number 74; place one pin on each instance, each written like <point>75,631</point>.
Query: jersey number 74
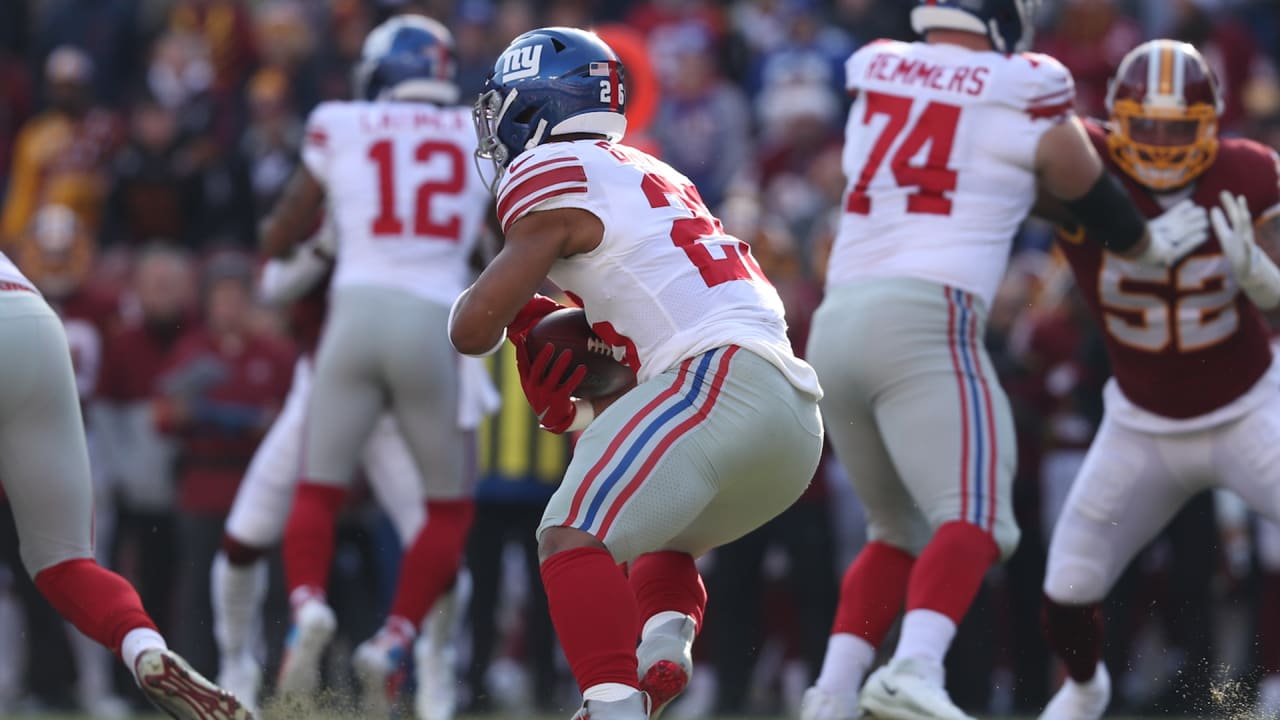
<point>935,126</point>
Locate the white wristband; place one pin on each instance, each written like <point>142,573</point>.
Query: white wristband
<point>584,413</point>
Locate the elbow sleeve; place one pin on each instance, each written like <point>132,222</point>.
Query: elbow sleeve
<point>1108,214</point>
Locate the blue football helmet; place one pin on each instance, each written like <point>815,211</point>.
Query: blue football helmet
<point>1009,24</point>
<point>409,57</point>
<point>552,81</point>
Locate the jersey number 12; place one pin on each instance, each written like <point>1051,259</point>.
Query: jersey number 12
<point>388,222</point>
<point>936,126</point>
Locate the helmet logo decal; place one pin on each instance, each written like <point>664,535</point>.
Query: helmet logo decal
<point>521,63</point>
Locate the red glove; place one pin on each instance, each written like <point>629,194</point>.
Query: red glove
<point>550,398</point>
<point>538,307</point>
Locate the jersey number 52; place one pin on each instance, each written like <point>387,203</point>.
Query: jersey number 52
<point>936,127</point>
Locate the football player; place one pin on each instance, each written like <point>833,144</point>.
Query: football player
<point>722,431</point>
<point>946,143</point>
<point>407,203</point>
<point>44,470</point>
<point>257,519</point>
<point>1193,400</point>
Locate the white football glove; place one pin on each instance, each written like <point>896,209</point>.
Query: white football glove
<point>1257,275</point>
<point>1175,233</point>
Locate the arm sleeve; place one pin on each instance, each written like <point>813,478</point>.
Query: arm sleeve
<point>544,181</point>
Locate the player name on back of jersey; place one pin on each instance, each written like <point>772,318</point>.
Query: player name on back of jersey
<point>384,119</point>
<point>890,67</point>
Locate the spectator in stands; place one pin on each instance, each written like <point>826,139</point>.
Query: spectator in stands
<point>154,184</point>
<point>108,31</point>
<point>61,155</point>
<point>137,460</point>
<point>217,397</point>
<point>1229,49</point>
<point>269,147</point>
<point>703,125</point>
<point>1090,37</point>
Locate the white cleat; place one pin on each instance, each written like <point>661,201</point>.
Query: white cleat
<point>634,707</point>
<point>819,704</point>
<point>437,694</point>
<point>313,627</point>
<point>906,689</point>
<point>1081,701</point>
<point>377,662</point>
<point>665,661</point>
<point>181,692</point>
<point>242,677</point>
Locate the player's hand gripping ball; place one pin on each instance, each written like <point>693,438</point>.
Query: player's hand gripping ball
<point>567,329</point>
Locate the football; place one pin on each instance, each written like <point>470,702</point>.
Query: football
<point>567,329</point>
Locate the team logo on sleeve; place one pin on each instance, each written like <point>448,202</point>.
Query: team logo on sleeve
<point>521,63</point>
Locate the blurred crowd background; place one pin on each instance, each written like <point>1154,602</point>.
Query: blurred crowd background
<point>141,140</point>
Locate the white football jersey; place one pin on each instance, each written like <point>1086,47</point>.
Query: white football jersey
<point>666,283</point>
<point>403,191</point>
<point>9,273</point>
<point>940,160</point>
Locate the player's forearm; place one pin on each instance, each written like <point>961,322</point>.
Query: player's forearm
<point>473,330</point>
<point>293,219</point>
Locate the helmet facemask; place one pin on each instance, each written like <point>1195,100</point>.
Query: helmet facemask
<point>486,114</point>
<point>1163,149</point>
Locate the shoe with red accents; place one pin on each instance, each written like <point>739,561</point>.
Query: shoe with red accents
<point>633,707</point>
<point>181,692</point>
<point>665,658</point>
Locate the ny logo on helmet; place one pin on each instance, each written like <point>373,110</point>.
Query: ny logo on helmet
<point>521,63</point>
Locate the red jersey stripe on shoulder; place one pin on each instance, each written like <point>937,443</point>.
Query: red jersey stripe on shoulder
<point>520,162</point>
<point>517,175</point>
<point>509,220</point>
<point>1041,99</point>
<point>531,182</point>
<point>1040,112</point>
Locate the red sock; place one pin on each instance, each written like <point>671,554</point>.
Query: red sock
<point>665,581</point>
<point>1269,624</point>
<point>308,536</point>
<point>947,575</point>
<point>872,592</point>
<point>98,602</point>
<point>1074,633</point>
<point>595,616</point>
<point>240,554</point>
<point>430,565</point>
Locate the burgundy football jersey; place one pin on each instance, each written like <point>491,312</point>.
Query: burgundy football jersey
<point>1183,341</point>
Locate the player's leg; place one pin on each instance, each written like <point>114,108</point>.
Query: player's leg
<point>255,524</point>
<point>690,460</point>
<point>398,488</point>
<point>44,465</point>
<point>1125,493</point>
<point>1248,457</point>
<point>421,371</point>
<point>941,389</point>
<point>345,401</point>
<point>874,586</point>
<point>1269,619</point>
